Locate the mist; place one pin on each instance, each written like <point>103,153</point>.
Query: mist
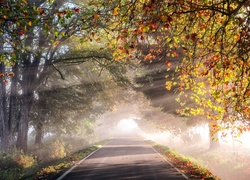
<point>229,161</point>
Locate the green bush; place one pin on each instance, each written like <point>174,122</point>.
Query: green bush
<point>9,168</point>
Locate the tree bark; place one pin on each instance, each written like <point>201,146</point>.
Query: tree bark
<point>2,117</point>
<point>39,134</point>
<point>13,106</point>
<point>29,74</point>
<point>4,123</point>
<point>22,138</point>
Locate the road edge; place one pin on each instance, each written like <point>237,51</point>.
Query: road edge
<point>178,170</point>
<point>173,166</point>
<point>78,163</point>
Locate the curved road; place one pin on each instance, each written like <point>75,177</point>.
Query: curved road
<point>124,158</point>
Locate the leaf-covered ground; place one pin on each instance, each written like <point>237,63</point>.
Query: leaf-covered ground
<point>187,166</point>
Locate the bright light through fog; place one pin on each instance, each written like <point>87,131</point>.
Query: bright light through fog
<point>127,126</point>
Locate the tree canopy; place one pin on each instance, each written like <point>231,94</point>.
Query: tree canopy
<point>211,39</point>
<point>206,43</point>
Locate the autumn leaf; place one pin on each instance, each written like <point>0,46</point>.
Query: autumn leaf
<point>24,1</point>
<point>247,93</point>
<point>169,19</point>
<point>164,18</point>
<point>77,10</point>
<point>204,73</point>
<point>30,23</point>
<point>42,11</point>
<point>98,40</point>
<point>115,12</point>
<point>166,26</point>
<point>21,32</point>
<point>175,54</point>
<point>193,36</point>
<point>61,13</point>
<point>96,16</point>
<point>10,74</point>
<point>168,63</point>
<point>169,85</point>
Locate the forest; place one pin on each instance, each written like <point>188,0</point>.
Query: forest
<point>65,64</point>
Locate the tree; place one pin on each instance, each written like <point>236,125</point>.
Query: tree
<point>33,33</point>
<point>212,39</point>
<point>70,106</point>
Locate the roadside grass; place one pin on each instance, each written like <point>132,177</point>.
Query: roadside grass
<point>17,165</point>
<point>187,165</point>
<point>56,168</point>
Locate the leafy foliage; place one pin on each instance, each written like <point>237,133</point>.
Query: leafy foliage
<point>210,37</point>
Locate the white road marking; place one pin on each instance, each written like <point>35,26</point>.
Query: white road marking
<point>73,167</point>
<point>170,163</point>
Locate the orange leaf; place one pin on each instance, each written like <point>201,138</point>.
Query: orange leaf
<point>42,11</point>
<point>115,12</point>
<point>168,63</point>
<point>96,16</point>
<point>204,73</point>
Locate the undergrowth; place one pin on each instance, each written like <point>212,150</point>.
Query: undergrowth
<point>45,163</point>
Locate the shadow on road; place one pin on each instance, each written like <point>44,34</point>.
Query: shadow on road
<point>138,170</point>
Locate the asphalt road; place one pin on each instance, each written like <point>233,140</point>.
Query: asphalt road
<point>125,158</point>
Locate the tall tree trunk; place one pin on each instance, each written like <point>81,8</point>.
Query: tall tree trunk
<point>26,103</point>
<point>2,117</point>
<point>22,138</point>
<point>39,134</point>
<point>4,124</point>
<point>13,111</point>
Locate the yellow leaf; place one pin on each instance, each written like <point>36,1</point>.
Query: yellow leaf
<point>24,1</point>
<point>168,85</point>
<point>115,12</point>
<point>30,23</point>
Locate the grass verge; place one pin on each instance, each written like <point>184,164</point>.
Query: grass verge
<point>16,165</point>
<point>185,164</point>
<point>54,170</point>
